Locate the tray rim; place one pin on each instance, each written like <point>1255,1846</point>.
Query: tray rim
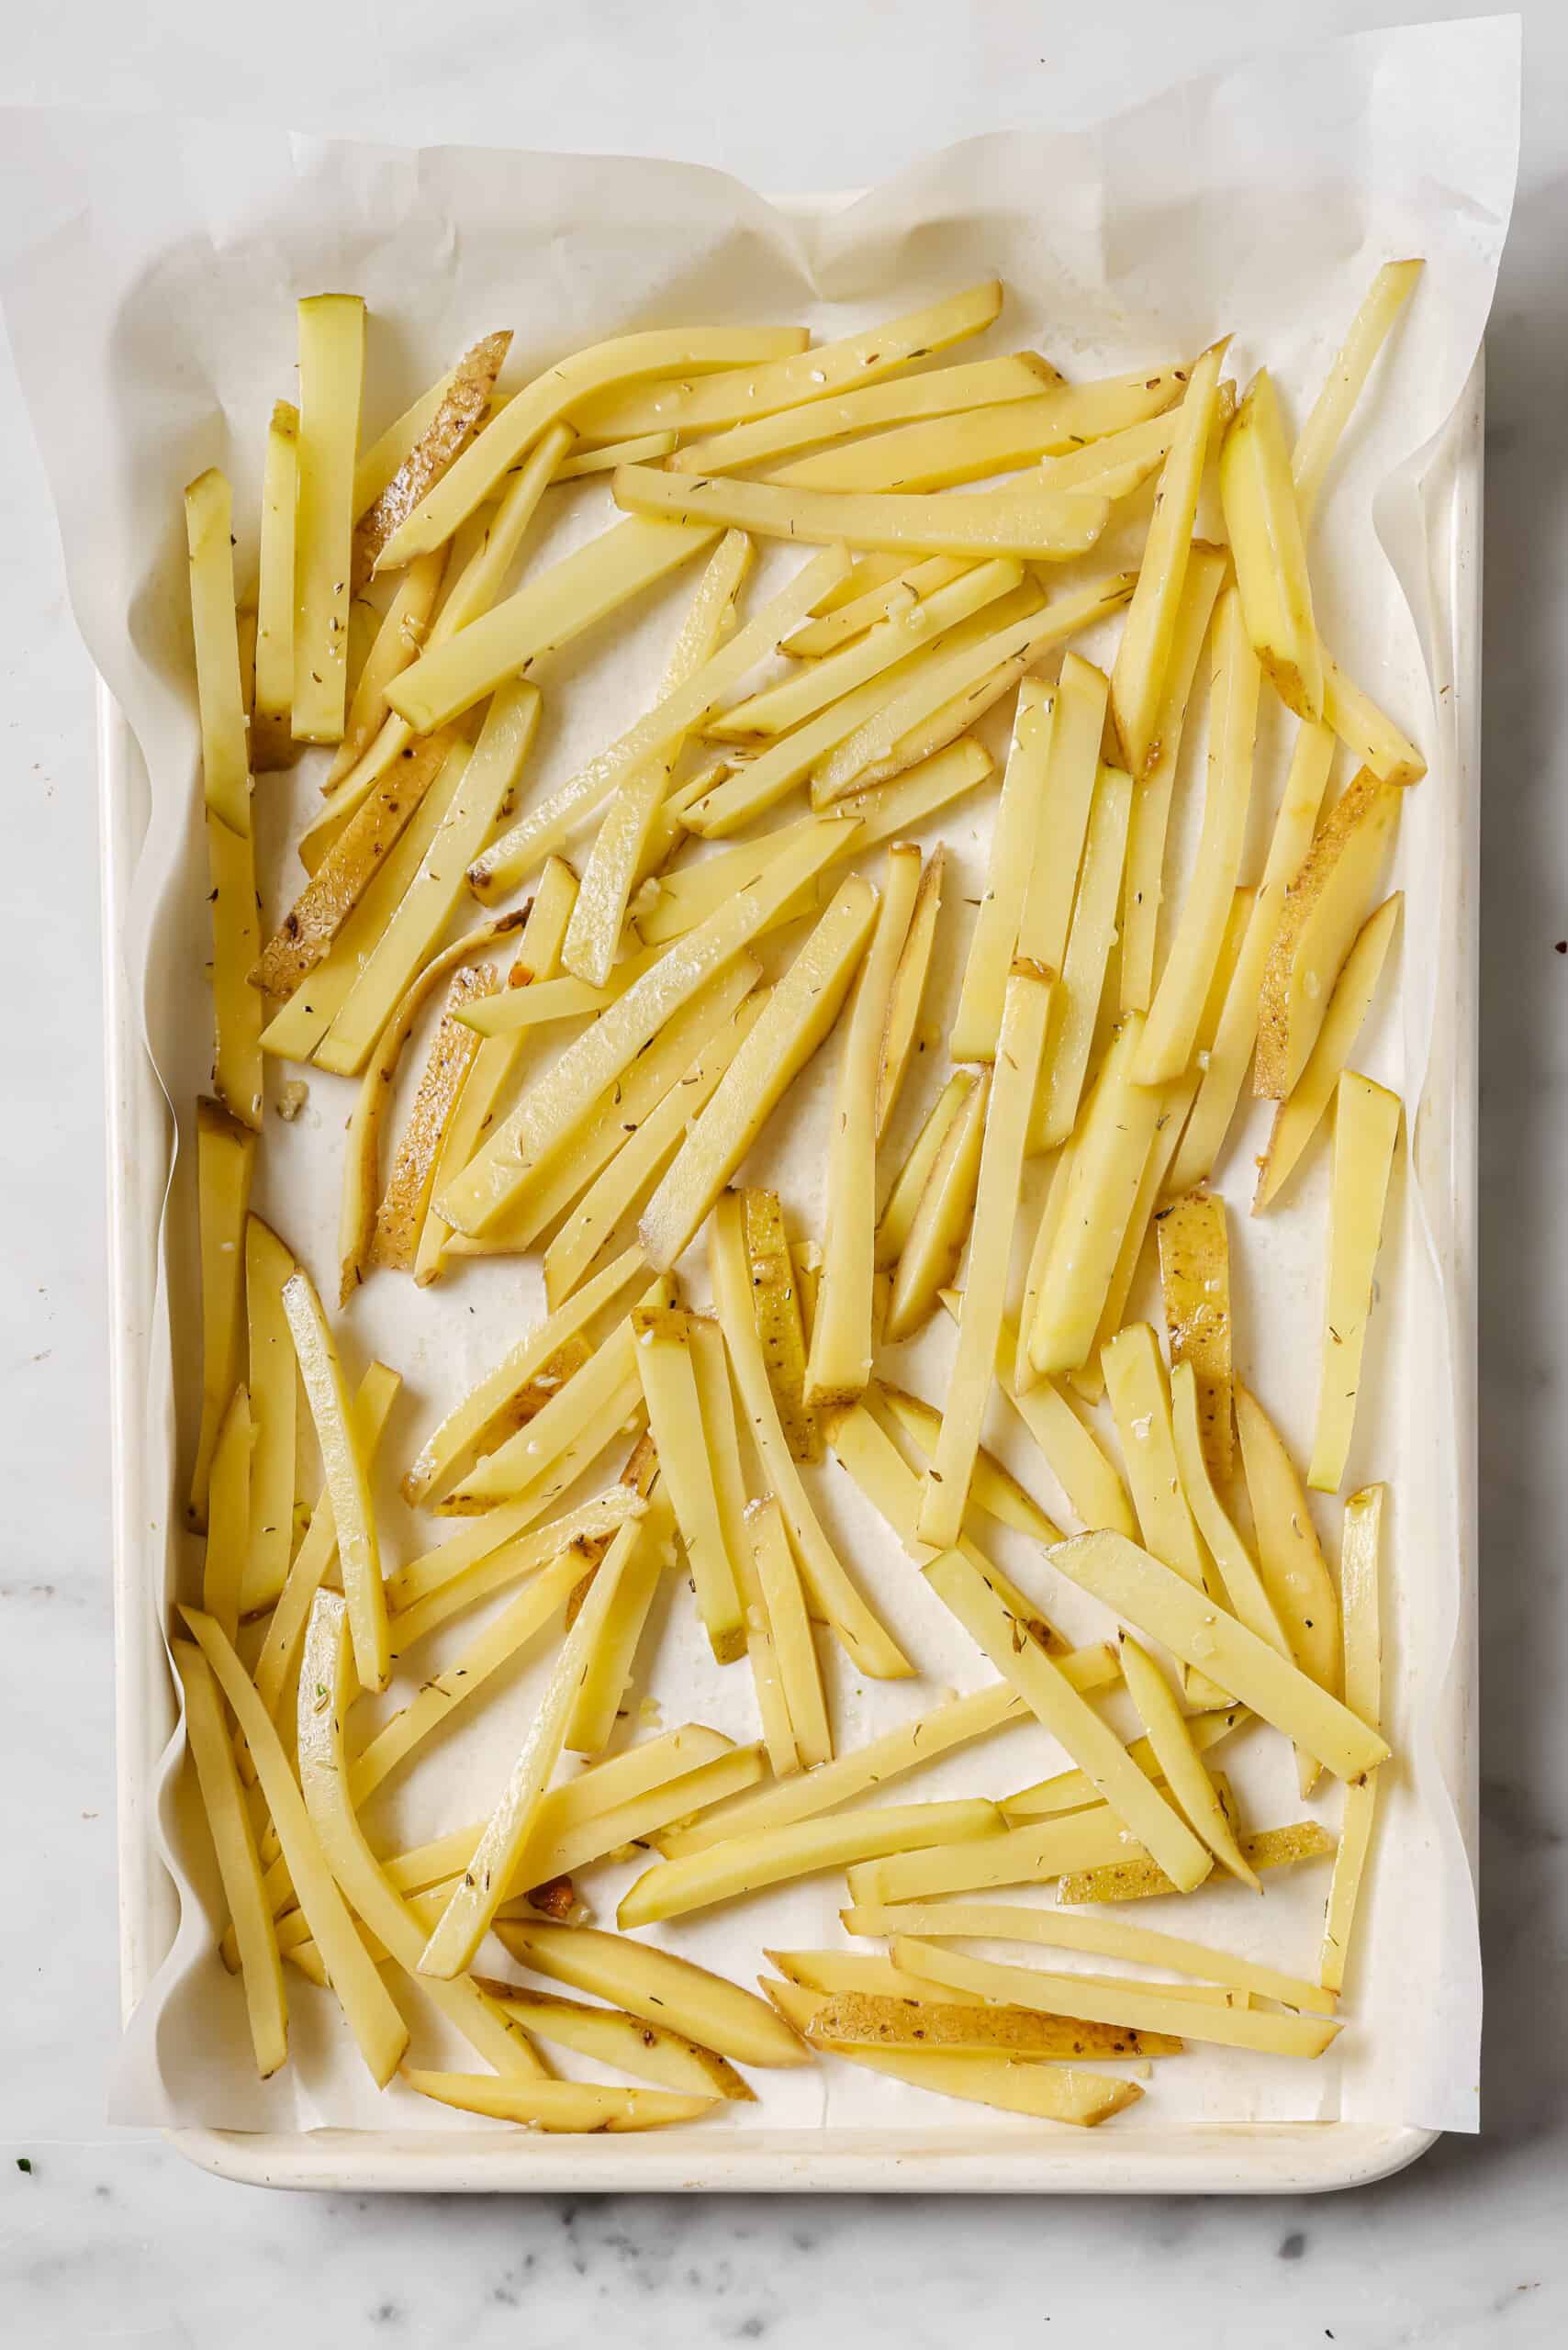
<point>1305,2157</point>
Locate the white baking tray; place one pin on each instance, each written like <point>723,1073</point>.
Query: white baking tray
<point>968,2158</point>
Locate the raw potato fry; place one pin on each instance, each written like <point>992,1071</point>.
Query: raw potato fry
<point>226,1157</point>
<point>361,1154</point>
<point>784,1603</point>
<point>1179,1758</point>
<point>660,732</point>
<point>507,1544</point>
<point>910,980</point>
<point>1323,907</point>
<point>1364,729</point>
<point>1162,1605</point>
<point>272,743</point>
<point>489,774</point>
<point>660,1987</point>
<point>612,2037</point>
<point>559,2105</point>
<point>1051,1206</point>
<point>995,1489</point>
<point>1028,522</point>
<point>1234,1033</point>
<point>331,372</point>
<point>229,1516</point>
<point>644,447</point>
<point>1143,657</point>
<point>929,1258</point>
<point>1134,2006</point>
<point>1174,1017</point>
<point>1244,1587</point>
<point>832,1971</point>
<point>1268,549</point>
<point>1366,1133</point>
<point>1194,1280</point>
<point>1122,461</point>
<point>462,1434</point>
<point>833,1595</point>
<point>398,640</point>
<point>1359,1567</point>
<point>1073,1790</point>
<point>1033,1854</point>
<point>1046,2092</point>
<point>662,1347</point>
<point>400,1220</point>
<point>639,1821</point>
<point>941,452</point>
<point>617,855</point>
<point>1021,814</point>
<point>1063,1062</point>
<point>768,1680</point>
<point>799,377</point>
<point>378,464</point>
<point>1134,1880</point>
<point>1320,436</point>
<point>354,1512</point>
<point>944,391</point>
<point>794,1022</point>
<point>1094,1492</point>
<point>862,2019</point>
<point>544,1119</point>
<point>1297,1119</point>
<point>1010,1099</point>
<point>882,586</point>
<point>776,1309</point>
<point>1108,1159</point>
<point>745,1864</point>
<point>625,1581</point>
<point>1140,1403</point>
<point>1290,1563</point>
<point>455,1942</point>
<point>234,1843</point>
<point>1144,893</point>
<point>517,1465</point>
<point>274,1407</point>
<point>909,1185</point>
<point>451,429</point>
<point>236,941</point>
<point>562,391</point>
<point>378,2028</point>
<point>1066,1715</point>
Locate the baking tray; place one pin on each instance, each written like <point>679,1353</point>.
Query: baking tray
<point>1200,2159</point>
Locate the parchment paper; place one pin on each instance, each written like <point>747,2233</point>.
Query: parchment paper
<point>151,271</point>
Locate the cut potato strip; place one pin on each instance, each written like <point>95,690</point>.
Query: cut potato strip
<point>900,1031</point>
<point>332,373</point>
<point>941,452</point>
<point>1297,1119</point>
<point>1052,1203</point>
<point>642,449</point>
<point>1194,1280</point>
<point>1267,546</point>
<point>1063,1062</point>
<point>1073,1790</point>
<point>347,1483</point>
<point>398,641</point>
<point>1144,893</point>
<point>272,740</point>
<point>572,2106</point>
<point>883,586</point>
<point>784,1602</point>
<point>1021,816</point>
<point>1233,1036</point>
<point>226,787</point>
<point>1366,1134</point>
<point>833,1596</point>
<point>1029,522</point>
<point>942,391</point>
<point>1321,434</point>
<point>1094,1492</point>
<point>1108,1161</point>
<point>234,1843</point>
<point>1244,1587</point>
<point>448,431</point>
<point>662,1349</point>
<point>794,1022</point>
<point>377,464</point>
<point>1325,906</point>
<point>1365,731</point>
<point>1135,1880</point>
<point>1098,1938</point>
<point>1143,657</point>
<point>745,1864</point>
<point>1121,462</point>
<point>1174,1017</point>
<point>832,1971</point>
<point>544,1119</point>
<point>237,1062</point>
<point>948,1478</point>
<point>400,1219</point>
<point>562,391</point>
<point>612,2037</point>
<point>659,732</point>
<point>274,1408</point>
<point>1290,1562</point>
<point>517,1465</point>
<point>1033,1854</point>
<point>1134,2006</point>
<point>994,1489</point>
<point>378,2028</point>
<point>226,1157</point>
<point>1156,1601</point>
<point>660,1987</point>
<point>1059,1709</point>
<point>865,2020</point>
<point>929,1258</point>
<point>1046,2092</point>
<point>909,1185</point>
<point>629,1574</point>
<point>1179,1758</point>
<point>1359,1566</point>
<point>780,1326</point>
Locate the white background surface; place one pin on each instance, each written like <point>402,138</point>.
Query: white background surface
<point>111,2238</point>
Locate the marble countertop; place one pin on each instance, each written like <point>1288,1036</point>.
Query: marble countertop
<point>110,2236</point>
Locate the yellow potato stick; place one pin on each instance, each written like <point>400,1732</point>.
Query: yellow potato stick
<point>573,2106</point>
<point>400,1219</point>
<point>942,391</point>
<point>1297,1119</point>
<point>1094,1492</point>
<point>224,759</point>
<point>517,1465</point>
<point>1370,736</point>
<point>399,641</point>
<point>1234,1034</point>
<point>1290,1562</point>
<point>236,943</point>
<point>1195,1280</point>
<point>614,2037</point>
<point>1324,907</point>
<point>1073,1790</point>
<point>353,1510</point>
<point>1021,817</point>
<point>1108,1161</point>
<point>1321,434</point>
<point>1360,1564</point>
<point>1177,1009</point>
<point>777,1310</point>
<point>832,1971</point>
<point>1034,523</point>
<point>1244,1587</point>
<point>226,1155</point>
<point>1144,890</point>
<point>784,1602</point>
<point>883,585</point>
<point>1035,1854</point>
<point>228,1545</point>
<point>1140,1404</point>
<point>929,1258</point>
<point>1366,1133</point>
<point>658,1985</point>
<point>1064,1057</point>
<point>644,447</point>
<point>378,464</point>
<point>891,2020</point>
<point>1268,547</point>
<point>745,1864</point>
<point>463,406</point>
<point>829,1588</point>
<point>900,1032</point>
<point>662,1348</point>
<point>1134,1880</point>
<point>1179,1758</point>
<point>1122,462</point>
<point>994,1489</point>
<point>909,1185</point>
<point>239,1868</point>
<point>332,371</point>
<point>1143,657</point>
<point>272,742</point>
<point>630,1571</point>
<point>1155,1601</point>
